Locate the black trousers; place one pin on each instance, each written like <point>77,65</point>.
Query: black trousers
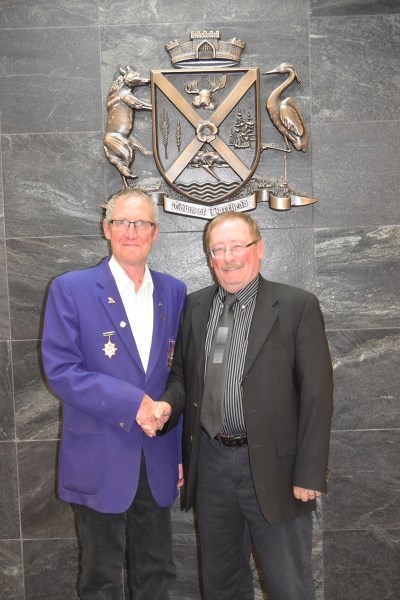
<point>227,510</point>
<point>146,527</point>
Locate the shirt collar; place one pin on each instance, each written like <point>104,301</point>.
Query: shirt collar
<point>121,278</point>
<point>243,295</point>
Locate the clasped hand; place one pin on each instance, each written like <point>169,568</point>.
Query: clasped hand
<point>152,415</point>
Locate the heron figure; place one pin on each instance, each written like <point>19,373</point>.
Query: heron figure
<point>286,115</point>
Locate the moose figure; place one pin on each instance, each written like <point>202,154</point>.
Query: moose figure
<point>204,97</point>
<point>118,142</point>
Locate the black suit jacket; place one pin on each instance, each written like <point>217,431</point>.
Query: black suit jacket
<point>287,395</point>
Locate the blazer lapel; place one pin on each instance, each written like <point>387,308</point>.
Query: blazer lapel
<point>265,314</point>
<point>160,312</point>
<point>112,303</point>
<point>199,327</point>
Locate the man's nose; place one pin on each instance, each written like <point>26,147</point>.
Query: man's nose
<point>131,231</point>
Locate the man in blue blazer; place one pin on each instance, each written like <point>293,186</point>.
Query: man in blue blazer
<point>108,342</point>
<point>256,466</point>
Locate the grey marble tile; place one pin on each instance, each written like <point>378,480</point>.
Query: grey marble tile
<point>30,271</point>
<point>1,191</point>
<point>37,411</point>
<point>358,277</point>
<point>353,61</point>
<point>183,521</point>
<point>43,515</point>
<point>39,13</point>
<point>51,569</point>
<point>362,564</point>
<point>185,552</point>
<point>4,299</point>
<point>11,571</point>
<point>334,8</point>
<point>356,173</point>
<point>366,372</point>
<point>62,187</point>
<point>181,255</point>
<point>289,257</point>
<point>6,394</point>
<point>364,491</point>
<point>9,522</point>
<point>126,11</point>
<point>50,80</point>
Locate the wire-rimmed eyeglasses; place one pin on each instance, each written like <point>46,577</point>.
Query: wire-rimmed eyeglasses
<point>235,249</point>
<point>123,224</point>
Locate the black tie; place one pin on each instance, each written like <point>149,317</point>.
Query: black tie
<point>212,411</point>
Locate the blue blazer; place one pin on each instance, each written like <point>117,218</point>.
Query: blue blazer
<point>101,443</point>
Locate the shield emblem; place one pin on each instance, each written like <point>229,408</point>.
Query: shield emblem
<point>206,130</point>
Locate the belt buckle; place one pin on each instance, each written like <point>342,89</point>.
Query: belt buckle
<point>231,442</point>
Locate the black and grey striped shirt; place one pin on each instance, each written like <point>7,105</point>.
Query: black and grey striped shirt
<point>243,311</point>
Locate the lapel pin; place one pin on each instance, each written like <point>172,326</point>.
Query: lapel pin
<point>111,300</point>
<point>122,324</point>
<point>159,305</point>
<point>109,348</point>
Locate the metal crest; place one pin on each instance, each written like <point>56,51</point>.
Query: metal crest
<point>206,130</point>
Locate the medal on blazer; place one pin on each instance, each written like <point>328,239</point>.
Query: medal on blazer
<point>109,348</point>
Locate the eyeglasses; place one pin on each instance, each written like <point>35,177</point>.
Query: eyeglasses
<point>123,224</point>
<point>236,249</point>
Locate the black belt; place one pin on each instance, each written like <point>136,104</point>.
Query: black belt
<point>232,442</point>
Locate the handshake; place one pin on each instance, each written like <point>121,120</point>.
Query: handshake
<point>152,416</point>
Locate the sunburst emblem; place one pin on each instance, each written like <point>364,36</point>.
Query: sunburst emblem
<point>109,348</point>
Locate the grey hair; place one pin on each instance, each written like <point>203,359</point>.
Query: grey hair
<point>132,193</point>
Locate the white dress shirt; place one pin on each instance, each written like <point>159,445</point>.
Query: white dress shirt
<point>138,307</point>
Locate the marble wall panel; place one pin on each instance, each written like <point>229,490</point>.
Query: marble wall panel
<point>36,13</point>
<point>50,80</point>
<point>43,515</point>
<point>1,192</point>
<point>125,11</point>
<point>358,276</point>
<point>364,488</point>
<point>11,570</point>
<point>53,184</point>
<point>351,189</point>
<point>362,564</point>
<point>9,522</point>
<point>289,257</point>
<point>353,62</point>
<point>37,411</point>
<point>30,273</point>
<point>366,365</point>
<point>181,255</point>
<point>185,552</point>
<point>183,521</point>
<point>334,8</point>
<point>50,569</point>
<point>4,301</point>
<point>7,431</point>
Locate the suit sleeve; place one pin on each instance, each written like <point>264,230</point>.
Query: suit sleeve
<point>65,363</point>
<point>314,377</point>
<point>175,391</point>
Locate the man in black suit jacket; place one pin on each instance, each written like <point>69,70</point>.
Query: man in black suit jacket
<point>264,470</point>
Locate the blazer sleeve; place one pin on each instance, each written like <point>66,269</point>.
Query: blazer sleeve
<point>315,380</point>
